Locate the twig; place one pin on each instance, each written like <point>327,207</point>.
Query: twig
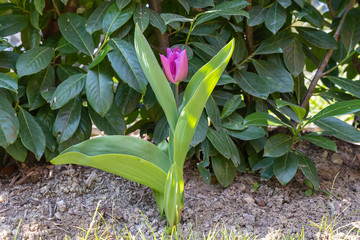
<point>249,33</point>
<point>163,39</point>
<point>331,10</point>
<point>324,62</point>
<point>56,8</point>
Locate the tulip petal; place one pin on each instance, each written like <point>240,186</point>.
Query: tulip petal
<point>167,68</point>
<point>181,66</point>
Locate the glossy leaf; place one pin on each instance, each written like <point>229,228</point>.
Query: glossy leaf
<point>31,134</point>
<point>294,57</point>
<point>257,15</point>
<point>39,5</point>
<point>115,18</point>
<point>127,99</point>
<point>317,37</point>
<point>275,17</point>
<point>100,57</point>
<point>67,90</point>
<point>125,63</point>
<point>308,169</point>
<point>213,113</point>
<point>231,105</point>
<point>171,17</point>
<point>224,170</point>
<point>320,141</point>
<point>263,119</point>
<point>252,84</point>
<point>112,123</point>
<point>9,124</point>
<point>201,130</point>
<point>156,78</point>
<point>196,95</point>
<point>11,24</point>
<point>99,89</point>
<point>122,3</point>
<point>95,20</point>
<point>277,145</point>
<point>157,21</point>
<point>141,16</point>
<point>72,27</point>
<point>285,167</point>
<point>352,86</point>
<point>17,151</point>
<point>249,133</point>
<point>34,60</point>
<point>8,82</point>
<point>299,111</point>
<point>338,108</point>
<point>351,30</point>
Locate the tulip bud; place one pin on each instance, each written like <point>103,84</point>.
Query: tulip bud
<point>175,65</point>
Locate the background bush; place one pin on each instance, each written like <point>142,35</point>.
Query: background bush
<point>75,64</point>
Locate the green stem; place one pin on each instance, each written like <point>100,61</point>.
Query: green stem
<point>190,30</point>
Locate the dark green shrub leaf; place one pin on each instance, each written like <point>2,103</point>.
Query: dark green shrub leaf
<point>157,21</point>
<point>320,141</point>
<point>122,3</point>
<point>100,57</point>
<point>233,122</point>
<point>257,15</point>
<point>72,27</point>
<point>308,169</point>
<point>312,15</point>
<point>294,57</point>
<point>8,82</point>
<point>285,3</point>
<point>9,124</point>
<point>275,17</point>
<point>11,24</point>
<point>112,124</point>
<point>224,170</point>
<point>161,131</point>
<point>252,84</point>
<point>263,119</point>
<point>67,90</point>
<point>67,120</point>
<point>249,133</point>
<point>95,20</point>
<point>264,163</point>
<point>339,129</point>
<point>34,60</point>
<point>114,18</point>
<point>317,37</point>
<point>127,99</point>
<point>39,5</point>
<point>8,59</point>
<point>142,16</point>
<point>299,111</point>
<point>171,17</point>
<point>31,134</point>
<point>213,113</point>
<point>349,85</point>
<point>278,79</point>
<point>201,131</point>
<point>17,150</point>
<point>335,109</point>
<point>64,71</point>
<point>285,167</point>
<point>99,89</point>
<point>230,106</point>
<point>277,145</point>
<point>350,31</point>
<point>65,47</point>
<point>125,63</point>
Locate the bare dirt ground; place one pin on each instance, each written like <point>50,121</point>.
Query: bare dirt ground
<point>53,201</point>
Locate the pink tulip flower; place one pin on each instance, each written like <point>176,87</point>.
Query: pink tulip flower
<point>175,65</point>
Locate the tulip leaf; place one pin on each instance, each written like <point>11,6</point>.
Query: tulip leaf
<point>156,77</point>
<point>196,95</point>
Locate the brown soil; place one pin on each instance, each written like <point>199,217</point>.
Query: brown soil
<point>52,201</point>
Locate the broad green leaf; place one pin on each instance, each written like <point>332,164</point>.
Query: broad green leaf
<point>338,108</point>
<point>340,129</point>
<point>231,105</point>
<point>263,119</point>
<point>320,141</point>
<point>249,133</point>
<point>31,134</point>
<point>39,5</point>
<point>285,167</point>
<point>349,85</point>
<point>9,124</point>
<point>299,111</point>
<point>67,90</point>
<point>275,17</point>
<point>350,31</point>
<point>252,84</point>
<point>95,20</point>
<point>127,99</point>
<point>72,27</point>
<point>264,163</point>
<point>308,169</point>
<point>277,145</point>
<point>141,16</point>
<point>67,120</point>
<point>174,195</point>
<point>17,151</point>
<point>156,78</point>
<point>8,59</point>
<point>200,3</point>
<point>201,131</point>
<point>8,82</point>
<point>46,116</point>
<point>64,71</point>
<point>196,95</point>
<point>224,170</point>
<point>65,47</point>
<point>50,141</point>
<point>276,43</point>
<point>225,79</point>
<point>122,3</point>
<point>317,37</point>
<point>219,140</point>
<point>11,24</point>
<point>278,79</point>
<point>34,60</point>
<point>115,18</point>
<point>312,15</point>
<point>125,63</point>
<point>171,17</point>
<point>100,57</point>
<point>300,3</point>
<point>112,123</point>
<point>34,17</point>
<point>285,3</point>
<point>161,131</point>
<point>157,21</point>
<point>233,122</point>
<point>99,89</point>
<point>257,15</point>
<point>129,157</point>
<point>213,113</point>
<point>294,57</point>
